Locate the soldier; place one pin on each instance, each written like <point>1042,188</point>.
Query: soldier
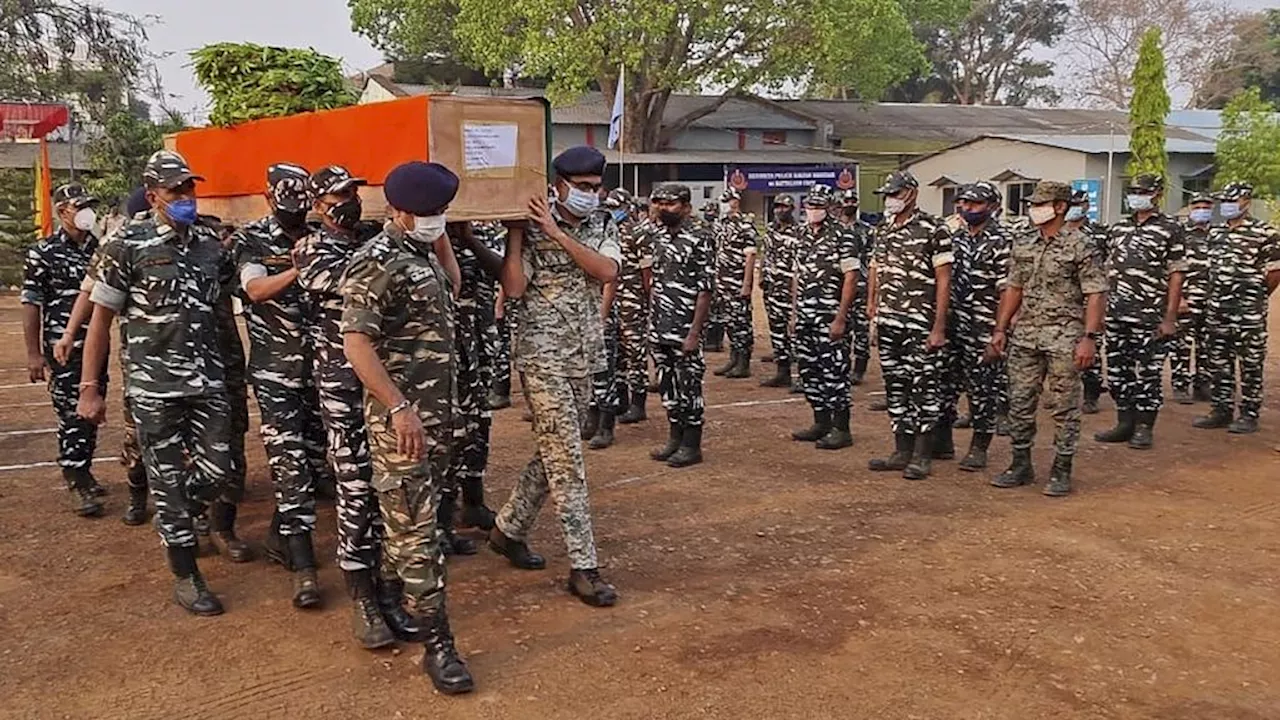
<point>715,325</point>
<point>602,411</point>
<point>1244,269</point>
<point>165,273</point>
<point>1146,260</point>
<point>1190,347</point>
<point>50,285</point>
<point>861,331</point>
<point>279,362</point>
<point>556,274</point>
<point>826,280</point>
<point>910,293</point>
<point>634,281</point>
<point>398,326</point>
<point>683,280</point>
<point>735,270</point>
<point>500,339</point>
<point>1056,289</point>
<point>1078,219</point>
<point>978,275</point>
<point>781,244</point>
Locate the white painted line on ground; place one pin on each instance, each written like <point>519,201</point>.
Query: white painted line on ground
<point>637,478</point>
<point>15,433</point>
<point>754,403</point>
<point>22,405</point>
<point>15,386</point>
<point>53,463</point>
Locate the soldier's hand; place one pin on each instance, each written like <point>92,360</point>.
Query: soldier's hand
<point>996,348</point>
<point>410,438</point>
<point>35,368</point>
<point>91,406</point>
<point>540,213</point>
<point>690,343</point>
<point>1184,308</point>
<point>62,349</point>
<point>745,292</point>
<point>837,330</point>
<point>1168,329</point>
<point>1086,353</point>
<point>937,339</point>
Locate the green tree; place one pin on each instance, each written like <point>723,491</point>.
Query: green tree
<point>248,81</point>
<point>1249,145</point>
<point>1148,110</point>
<point>860,46</point>
<point>119,153</point>
<point>1251,60</point>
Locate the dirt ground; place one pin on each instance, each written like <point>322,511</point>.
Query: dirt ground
<point>773,581</point>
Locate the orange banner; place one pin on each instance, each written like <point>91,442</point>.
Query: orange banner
<point>44,192</point>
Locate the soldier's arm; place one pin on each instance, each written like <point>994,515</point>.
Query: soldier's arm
<point>33,300</point>
<point>602,263</point>
<point>513,280</point>
<point>749,240</point>
<point>258,283</point>
<point>110,295</point>
<point>1271,260</point>
<point>490,261</point>
<point>942,259</point>
<point>851,266</point>
<point>606,301</point>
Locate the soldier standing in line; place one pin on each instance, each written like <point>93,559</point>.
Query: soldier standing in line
<point>715,324</point>
<point>1190,348</point>
<point>279,359</point>
<point>1146,260</point>
<point>861,330</point>
<point>1078,219</point>
<point>602,411</point>
<point>51,280</point>
<point>634,280</point>
<point>683,280</point>
<point>1056,289</point>
<point>735,269</point>
<point>1244,269</point>
<point>826,280</point>
<point>165,274</point>
<point>910,293</point>
<point>781,244</point>
<point>556,273</point>
<point>398,329</point>
<point>494,236</point>
<point>978,276</point>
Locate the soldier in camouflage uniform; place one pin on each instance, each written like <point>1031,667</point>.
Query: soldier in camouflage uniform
<point>279,361</point>
<point>1244,269</point>
<point>634,280</point>
<point>1146,259</point>
<point>556,273</point>
<point>1190,346</point>
<point>165,274</point>
<point>781,244</point>
<point>714,341</point>
<point>398,325</point>
<point>861,331</point>
<point>826,279</point>
<point>978,275</point>
<point>602,412</point>
<point>1056,289</point>
<point>50,285</point>
<point>910,293</point>
<point>735,278</point>
<point>499,340</point>
<point>683,281</point>
<point>1078,219</point>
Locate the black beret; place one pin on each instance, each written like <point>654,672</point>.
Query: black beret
<point>137,202</point>
<point>580,160</point>
<point>420,188</point>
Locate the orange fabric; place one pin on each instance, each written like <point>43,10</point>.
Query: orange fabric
<point>44,191</point>
<point>369,140</point>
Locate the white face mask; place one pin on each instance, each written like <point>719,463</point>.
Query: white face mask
<point>1139,203</point>
<point>1075,213</point>
<point>1230,210</point>
<point>427,229</point>
<point>1201,216</point>
<point>1041,214</point>
<point>580,202</point>
<point>893,205</point>
<point>85,219</point>
<point>815,215</point>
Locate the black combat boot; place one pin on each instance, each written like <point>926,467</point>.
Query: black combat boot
<point>781,376</point>
<point>944,442</point>
<point>636,411</point>
<point>1144,425</point>
<point>838,437</point>
<point>84,502</point>
<point>1201,393</point>
<point>500,395</point>
<point>367,623</point>
<point>921,458</point>
<point>450,541</point>
<point>306,587</point>
<point>1122,432</point>
<point>1059,477</point>
<point>859,371</point>
<point>1217,419</point>
<point>741,369</point>
<point>904,445</point>
<point>275,547</point>
<point>1092,392</point>
<point>475,514</point>
<point>820,427</point>
<point>797,386</point>
<point>189,589</point>
<point>403,625</point>
<point>592,589</point>
<point>880,404</point>
<point>95,487</point>
<point>603,437</point>
<point>729,364</point>
<point>222,527</point>
<point>1002,425</point>
<point>136,513</point>
<point>977,458</point>
<point>1244,426</point>
<point>1182,396</point>
<point>591,423</point>
<point>963,422</point>
<point>441,662</point>
<point>674,437</point>
<point>690,450</point>
<point>515,551</point>
<point>1020,472</point>
<point>715,338</point>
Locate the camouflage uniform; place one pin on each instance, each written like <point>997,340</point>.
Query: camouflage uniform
<point>1091,378</point>
<point>683,269</point>
<point>1190,345</point>
<point>636,239</point>
<point>235,379</point>
<point>604,384</point>
<point>738,239</point>
<point>559,343</point>
<point>781,245</point>
<point>860,329</point>
<point>828,252</point>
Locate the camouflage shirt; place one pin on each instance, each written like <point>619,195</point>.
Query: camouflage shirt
<point>1239,260</point>
<point>558,330</point>
<point>905,260</point>
<point>978,275</point>
<point>683,267</point>
<point>1140,259</point>
<point>1195,286</point>
<point>166,287</point>
<point>51,279</point>
<point>494,237</point>
<point>279,339</point>
<point>781,244</point>
<point>1055,275</point>
<point>825,254</point>
<point>737,238</point>
<point>636,245</point>
<point>322,258</point>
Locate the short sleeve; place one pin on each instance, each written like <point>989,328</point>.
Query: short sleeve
<point>706,264</point>
<point>365,292</point>
<point>114,273</point>
<point>1177,253</point>
<point>609,246</point>
<point>247,256</point>
<point>1092,277</point>
<point>850,253</point>
<point>941,244</point>
<point>1019,269</point>
<point>1002,261</point>
<point>878,256</point>
<point>35,283</point>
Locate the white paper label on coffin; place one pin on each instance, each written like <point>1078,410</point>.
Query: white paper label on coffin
<point>489,146</point>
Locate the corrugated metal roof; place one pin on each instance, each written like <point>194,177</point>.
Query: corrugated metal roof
<point>952,123</point>
<point>1100,144</point>
<point>724,157</point>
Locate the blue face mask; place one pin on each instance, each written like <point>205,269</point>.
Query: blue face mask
<point>1201,216</point>
<point>1139,203</point>
<point>1075,213</point>
<point>181,212</point>
<point>1230,210</point>
<point>619,215</point>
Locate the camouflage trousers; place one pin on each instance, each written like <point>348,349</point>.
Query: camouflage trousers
<point>285,412</point>
<point>1189,355</point>
<point>411,545</point>
<point>77,437</point>
<point>633,350</point>
<point>1032,372</point>
<point>557,469</point>
<point>860,324</point>
<point>824,364</point>
<point>778,307</point>
<point>735,312</point>
<point>1135,367</point>
<point>236,380</point>
<point>501,349</point>
<point>130,452</point>
<point>342,409</point>
<point>1228,346</point>
<point>680,377</point>
<point>604,384</point>
<point>469,446</point>
<point>911,378</point>
<point>187,451</point>
<point>987,384</point>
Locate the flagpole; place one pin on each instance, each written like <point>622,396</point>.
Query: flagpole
<point>622,129</point>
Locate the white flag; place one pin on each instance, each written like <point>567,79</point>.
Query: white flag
<point>615,117</point>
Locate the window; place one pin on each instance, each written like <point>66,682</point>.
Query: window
<point>949,193</point>
<point>774,137</point>
<point>1193,185</point>
<point>1015,194</point>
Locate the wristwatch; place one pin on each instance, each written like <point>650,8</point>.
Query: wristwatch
<point>404,405</point>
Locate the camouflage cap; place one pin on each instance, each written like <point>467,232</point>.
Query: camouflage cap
<point>707,207</point>
<point>898,181</point>
<point>289,186</point>
<point>1080,197</point>
<point>730,194</point>
<point>333,179</point>
<point>1235,191</point>
<point>75,194</point>
<point>818,196</point>
<point>1147,182</point>
<point>619,198</point>
<point>979,192</point>
<point>671,192</point>
<point>1200,198</point>
<point>784,201</point>
<point>847,197</point>
<point>1050,191</point>
<point>167,169</point>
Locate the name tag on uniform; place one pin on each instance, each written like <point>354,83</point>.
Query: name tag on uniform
<point>155,262</point>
